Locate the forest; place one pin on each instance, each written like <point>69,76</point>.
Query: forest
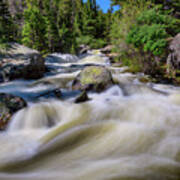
<point>139,31</point>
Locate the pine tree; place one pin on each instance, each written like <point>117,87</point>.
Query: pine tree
<point>57,25</point>
<point>50,12</point>
<point>89,19</point>
<point>6,24</point>
<point>34,29</point>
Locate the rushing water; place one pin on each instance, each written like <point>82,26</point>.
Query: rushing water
<point>129,132</point>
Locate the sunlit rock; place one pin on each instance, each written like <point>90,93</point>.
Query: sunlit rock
<point>93,78</point>
<point>21,62</point>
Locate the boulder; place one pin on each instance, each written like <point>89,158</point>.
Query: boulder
<point>83,97</point>
<point>21,62</point>
<point>173,60</point>
<point>9,104</point>
<point>107,49</point>
<point>5,116</point>
<point>93,78</point>
<point>35,68</point>
<point>112,57</point>
<point>83,49</point>
<point>56,93</point>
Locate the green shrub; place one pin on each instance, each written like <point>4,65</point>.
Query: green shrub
<point>34,28</point>
<point>158,16</point>
<point>152,38</point>
<point>151,30</point>
<point>122,22</point>
<point>98,43</point>
<point>84,40</point>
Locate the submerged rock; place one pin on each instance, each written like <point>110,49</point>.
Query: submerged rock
<point>135,89</point>
<point>21,62</point>
<point>55,93</point>
<point>94,78</point>
<point>9,104</point>
<point>83,97</point>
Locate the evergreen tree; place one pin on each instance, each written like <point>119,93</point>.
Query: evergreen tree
<point>174,5</point>
<point>50,13</point>
<point>6,24</point>
<point>89,19</point>
<point>34,29</point>
<point>57,25</point>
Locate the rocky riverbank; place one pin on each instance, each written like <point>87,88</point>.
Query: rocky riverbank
<point>18,61</point>
<point>68,76</point>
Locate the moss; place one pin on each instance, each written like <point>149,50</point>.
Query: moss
<point>90,75</point>
<point>5,116</point>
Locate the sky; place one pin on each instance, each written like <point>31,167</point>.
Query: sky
<point>105,4</point>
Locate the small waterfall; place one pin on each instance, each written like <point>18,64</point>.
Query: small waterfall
<point>38,116</point>
<point>61,58</point>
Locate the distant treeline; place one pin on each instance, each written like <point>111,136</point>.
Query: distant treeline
<point>54,25</point>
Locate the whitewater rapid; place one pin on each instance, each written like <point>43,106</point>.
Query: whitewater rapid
<point>129,132</point>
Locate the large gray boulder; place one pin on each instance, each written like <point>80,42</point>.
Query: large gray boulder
<point>93,78</point>
<point>21,62</point>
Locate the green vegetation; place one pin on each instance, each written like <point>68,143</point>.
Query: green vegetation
<point>6,24</point>
<point>139,31</point>
<point>53,26</point>
<point>121,26</point>
<point>34,29</point>
<point>151,31</point>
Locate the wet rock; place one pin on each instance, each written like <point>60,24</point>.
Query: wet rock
<point>9,104</point>
<point>83,97</point>
<point>83,49</point>
<point>112,57</point>
<point>21,62</point>
<point>93,78</point>
<point>5,116</point>
<point>107,49</point>
<point>56,93</point>
<point>35,68</point>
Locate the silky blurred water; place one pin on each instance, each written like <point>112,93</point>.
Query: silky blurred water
<point>129,132</point>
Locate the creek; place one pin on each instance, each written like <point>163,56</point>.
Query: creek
<point>129,132</point>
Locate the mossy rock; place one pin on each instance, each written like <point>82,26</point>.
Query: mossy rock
<point>95,78</point>
<point>5,116</point>
<point>9,104</point>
